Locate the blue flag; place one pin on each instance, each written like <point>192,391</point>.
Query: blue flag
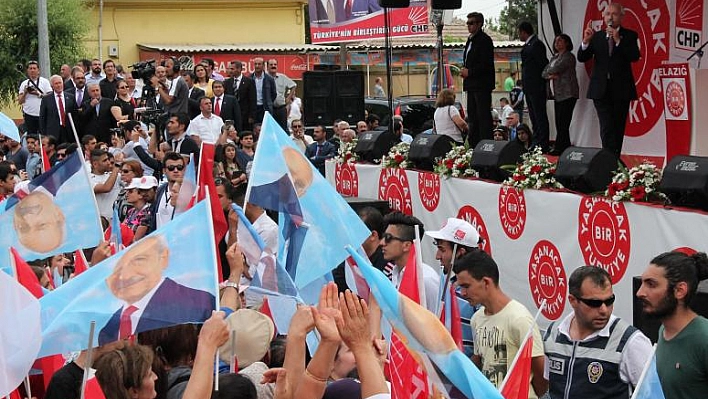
<point>649,385</point>
<point>8,128</point>
<point>424,333</point>
<point>55,213</point>
<point>167,278</point>
<point>318,222</point>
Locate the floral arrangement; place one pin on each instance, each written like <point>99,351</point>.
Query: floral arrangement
<point>397,157</point>
<point>456,163</point>
<point>346,153</point>
<point>639,183</point>
<point>535,171</point>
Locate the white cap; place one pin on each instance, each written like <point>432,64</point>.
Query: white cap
<point>456,231</point>
<point>142,183</point>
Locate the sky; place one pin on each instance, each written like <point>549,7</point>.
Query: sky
<point>490,8</point>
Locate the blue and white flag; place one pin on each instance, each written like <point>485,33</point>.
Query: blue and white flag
<point>318,221</point>
<point>167,278</point>
<point>649,385</point>
<point>55,213</point>
<point>8,128</point>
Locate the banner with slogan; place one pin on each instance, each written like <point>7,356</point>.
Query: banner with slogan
<point>669,31</point>
<point>339,21</point>
<point>676,85</point>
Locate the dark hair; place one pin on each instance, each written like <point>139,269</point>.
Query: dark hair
<point>202,98</point>
<point>597,275</point>
<point>182,119</point>
<point>239,195</point>
<point>106,63</point>
<point>245,133</point>
<point>680,267</point>
<point>525,26</point>
<point>32,136</point>
<point>5,170</point>
<point>86,139</point>
<point>86,64</point>
<point>51,140</point>
<point>208,61</point>
<point>119,370</point>
<point>406,224</point>
<point>172,156</point>
<point>277,351</point>
<point>373,219</point>
<point>71,148</point>
<point>527,129</point>
<point>97,153</point>
<point>479,265</point>
<point>130,125</point>
<point>372,117</point>
<point>236,63</point>
<point>504,131</point>
<point>567,40</point>
<point>190,74</point>
<point>235,386</point>
<point>217,82</point>
<point>477,16</point>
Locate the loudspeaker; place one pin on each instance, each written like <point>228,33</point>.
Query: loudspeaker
<point>587,170</point>
<point>685,181</point>
<point>372,145</point>
<point>426,147</point>
<point>395,3</point>
<point>490,155</point>
<point>349,87</point>
<point>326,67</point>
<point>317,94</point>
<point>446,4</point>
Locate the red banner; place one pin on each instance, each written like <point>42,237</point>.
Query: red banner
<point>676,84</point>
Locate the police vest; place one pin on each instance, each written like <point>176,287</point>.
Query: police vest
<point>591,369</point>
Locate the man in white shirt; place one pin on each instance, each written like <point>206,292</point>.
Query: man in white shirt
<point>506,108</point>
<point>30,96</point>
<point>299,137</point>
<point>206,125</point>
<point>95,75</point>
<point>105,179</point>
<point>285,89</point>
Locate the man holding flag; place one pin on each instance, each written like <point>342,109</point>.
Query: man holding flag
<point>500,325</point>
<point>591,352</point>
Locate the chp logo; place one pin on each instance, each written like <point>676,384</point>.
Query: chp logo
<point>512,211</point>
<point>471,216</point>
<point>394,188</point>
<point>429,189</point>
<point>603,235</point>
<point>651,20</point>
<point>346,180</point>
<point>675,99</point>
<point>547,279</point>
<point>689,24</point>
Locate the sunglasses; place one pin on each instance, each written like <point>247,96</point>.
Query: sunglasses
<point>296,126</point>
<point>388,237</point>
<point>172,168</point>
<point>60,155</point>
<point>473,22</point>
<point>126,171</point>
<point>596,303</point>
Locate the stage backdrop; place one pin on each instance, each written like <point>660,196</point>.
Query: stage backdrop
<point>669,31</point>
<point>537,237</point>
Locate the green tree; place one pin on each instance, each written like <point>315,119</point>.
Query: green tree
<point>515,12</point>
<point>68,25</point>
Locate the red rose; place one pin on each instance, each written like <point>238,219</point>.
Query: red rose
<point>347,156</point>
<point>450,163</point>
<point>518,177</point>
<point>552,170</point>
<point>536,169</point>
<point>623,185</point>
<point>637,193</point>
<point>398,158</point>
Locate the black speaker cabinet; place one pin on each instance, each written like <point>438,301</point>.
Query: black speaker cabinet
<point>426,147</point>
<point>374,144</point>
<point>349,88</point>
<point>318,97</point>
<point>394,3</point>
<point>490,155</point>
<point>685,181</point>
<point>446,4</point>
<point>587,170</point>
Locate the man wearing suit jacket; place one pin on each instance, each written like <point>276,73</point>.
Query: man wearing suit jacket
<point>54,110</point>
<point>150,300</point>
<point>79,92</point>
<point>244,89</point>
<point>612,83</point>
<point>478,75</point>
<point>96,114</point>
<point>321,150</point>
<point>265,90</point>
<point>194,93</point>
<point>533,61</point>
<point>228,108</point>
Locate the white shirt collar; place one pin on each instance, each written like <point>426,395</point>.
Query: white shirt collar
<point>564,328</point>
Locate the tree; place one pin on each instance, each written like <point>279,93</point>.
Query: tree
<point>515,12</point>
<point>68,25</point>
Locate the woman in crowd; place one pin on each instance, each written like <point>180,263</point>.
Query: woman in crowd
<point>500,133</point>
<point>124,108</point>
<point>563,84</point>
<point>129,171</point>
<point>138,197</point>
<point>228,168</point>
<point>203,81</point>
<point>447,119</point>
<point>524,136</point>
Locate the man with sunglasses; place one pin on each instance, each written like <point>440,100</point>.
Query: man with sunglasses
<point>478,75</point>
<point>591,352</point>
<point>162,211</point>
<point>299,137</point>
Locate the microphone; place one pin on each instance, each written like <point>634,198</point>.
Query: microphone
<point>609,25</point>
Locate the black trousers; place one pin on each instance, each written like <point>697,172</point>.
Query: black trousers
<point>31,123</point>
<point>539,118</point>
<point>564,115</point>
<point>280,113</point>
<point>612,114</point>
<point>479,113</point>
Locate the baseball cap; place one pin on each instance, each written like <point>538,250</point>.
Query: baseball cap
<point>456,231</point>
<point>254,331</point>
<point>142,183</point>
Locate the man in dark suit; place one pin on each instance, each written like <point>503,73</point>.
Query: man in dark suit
<point>96,113</point>
<point>265,90</point>
<point>533,61</point>
<point>79,92</point>
<point>54,110</point>
<point>228,108</point>
<point>612,83</point>
<point>478,75</point>
<point>150,301</point>
<point>244,89</point>
<point>194,93</point>
<point>321,150</point>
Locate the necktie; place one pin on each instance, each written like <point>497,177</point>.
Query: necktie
<point>98,108</point>
<point>317,150</point>
<point>132,101</point>
<point>126,325</point>
<point>330,12</point>
<point>175,145</point>
<point>217,107</point>
<point>61,110</point>
<point>79,96</point>
<point>611,44</point>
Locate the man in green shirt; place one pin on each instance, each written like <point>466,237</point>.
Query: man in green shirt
<point>509,82</point>
<point>668,285</point>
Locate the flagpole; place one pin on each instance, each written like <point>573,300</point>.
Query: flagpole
<point>212,244</point>
<point>232,366</point>
<point>446,284</point>
<point>86,172</point>
<point>419,266</point>
<point>41,156</point>
<point>28,388</point>
<point>644,373</point>
<point>523,342</point>
<point>89,360</point>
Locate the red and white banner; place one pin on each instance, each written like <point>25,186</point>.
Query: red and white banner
<point>676,85</point>
<point>539,237</point>
<point>669,31</point>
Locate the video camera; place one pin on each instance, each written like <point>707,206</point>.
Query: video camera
<point>143,70</point>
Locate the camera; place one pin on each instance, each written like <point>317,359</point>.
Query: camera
<point>143,70</point>
<point>155,116</point>
<point>115,131</point>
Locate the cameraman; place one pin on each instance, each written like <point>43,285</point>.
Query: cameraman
<point>173,94</point>
<point>30,96</point>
